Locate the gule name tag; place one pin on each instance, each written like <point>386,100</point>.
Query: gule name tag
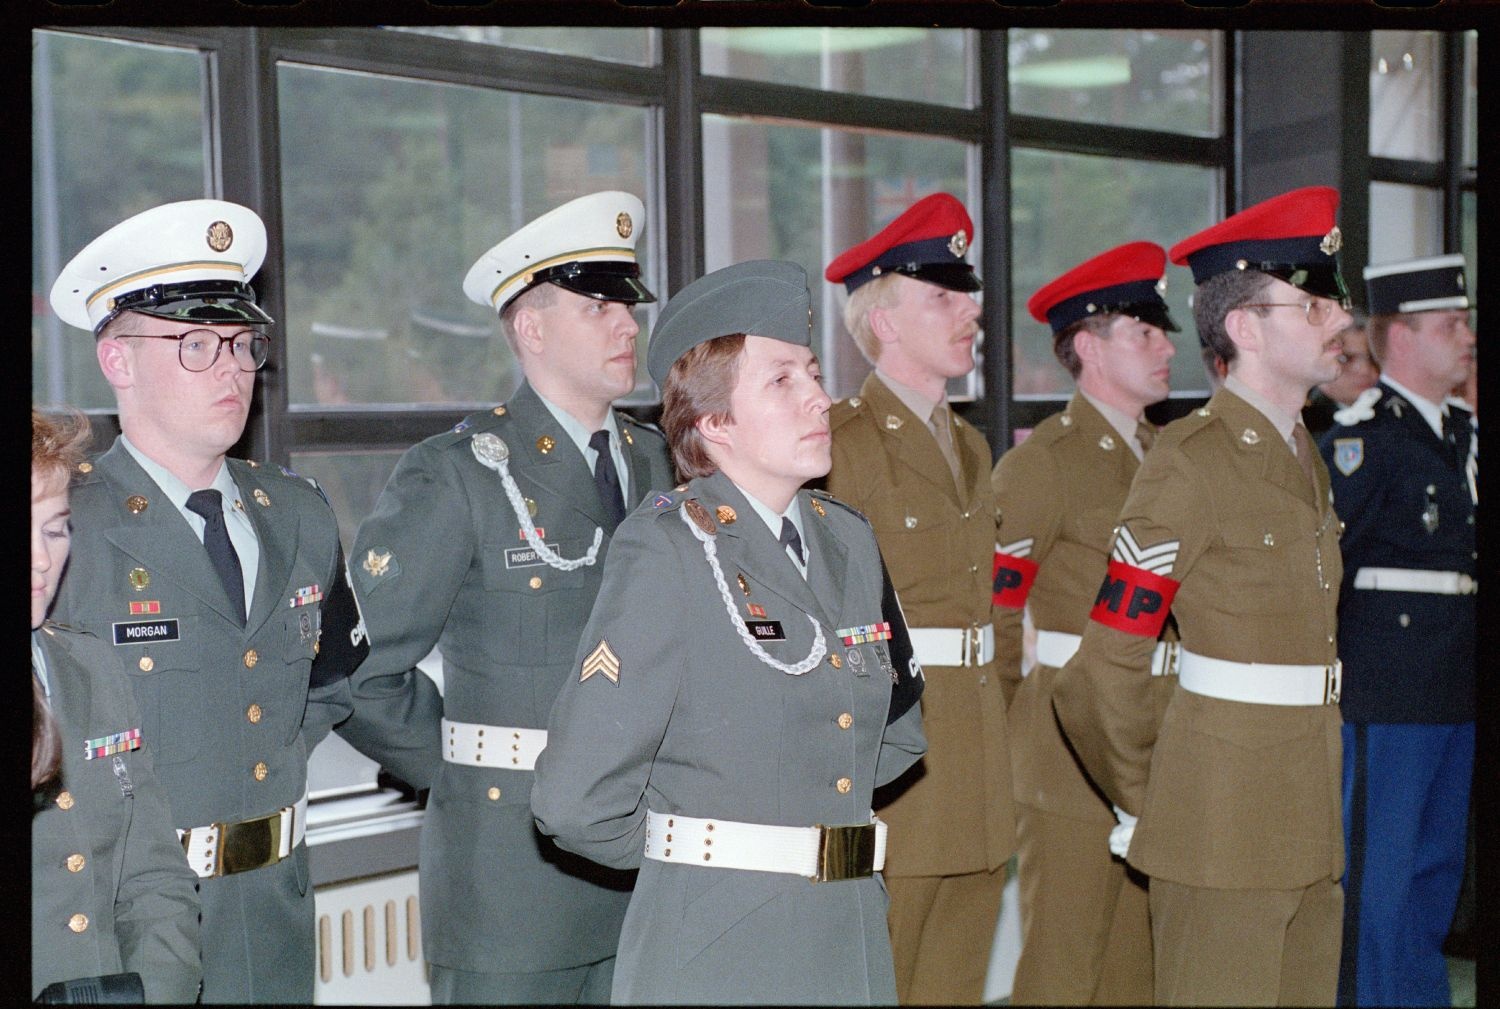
<point>765,630</point>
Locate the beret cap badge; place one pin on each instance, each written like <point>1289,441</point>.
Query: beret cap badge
<point>220,236</point>
<point>1332,242</point>
<point>958,244</point>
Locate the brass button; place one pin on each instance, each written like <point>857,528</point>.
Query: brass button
<point>536,581</point>
<point>983,679</point>
<point>254,713</point>
<point>146,664</point>
<point>261,770</point>
<point>1269,540</point>
<point>846,720</point>
<point>64,800</point>
<point>843,785</point>
<point>835,661</point>
<point>76,862</point>
<point>85,467</point>
<point>1404,620</point>
<point>973,568</point>
<point>493,793</point>
<point>251,658</point>
<point>79,922</point>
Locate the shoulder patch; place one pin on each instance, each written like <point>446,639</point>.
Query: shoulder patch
<point>1348,454</point>
<point>843,410</point>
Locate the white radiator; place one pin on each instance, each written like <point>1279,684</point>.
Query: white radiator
<point>369,939</point>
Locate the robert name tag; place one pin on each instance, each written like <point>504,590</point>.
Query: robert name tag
<point>136,632</point>
<point>765,630</point>
<point>524,557</point>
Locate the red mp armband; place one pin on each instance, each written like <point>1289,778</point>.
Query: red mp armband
<point>1013,579</point>
<point>1133,600</point>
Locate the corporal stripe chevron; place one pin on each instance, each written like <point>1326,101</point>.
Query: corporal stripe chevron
<point>1020,548</point>
<point>1157,559</point>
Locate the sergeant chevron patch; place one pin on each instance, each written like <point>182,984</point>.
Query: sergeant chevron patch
<point>1156,559</point>
<point>601,660</point>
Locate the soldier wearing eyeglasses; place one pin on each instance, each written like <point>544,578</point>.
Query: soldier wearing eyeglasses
<point>1228,528</point>
<point>219,582</point>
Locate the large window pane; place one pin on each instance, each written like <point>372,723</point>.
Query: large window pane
<point>1406,95</point>
<point>1066,208</point>
<point>774,191</point>
<point>1405,222</point>
<point>117,128</point>
<point>618,45</point>
<point>1471,98</point>
<point>1161,79</point>
<point>391,188</point>
<point>916,64</point>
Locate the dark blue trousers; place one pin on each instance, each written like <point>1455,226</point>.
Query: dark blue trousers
<point>1406,804</point>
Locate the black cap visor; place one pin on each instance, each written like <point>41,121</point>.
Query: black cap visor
<point>606,281</point>
<point>210,302</point>
<point>953,276</point>
<point>1324,281</point>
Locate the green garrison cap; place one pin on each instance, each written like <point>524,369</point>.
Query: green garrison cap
<point>761,297</point>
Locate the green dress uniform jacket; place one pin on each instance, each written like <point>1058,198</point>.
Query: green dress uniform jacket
<point>230,712</point>
<point>1058,495</point>
<point>939,543</point>
<point>1230,795</point>
<point>691,722</point>
<point>110,888</point>
<point>454,571</point>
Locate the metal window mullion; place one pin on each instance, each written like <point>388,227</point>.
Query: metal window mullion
<point>682,159</point>
<point>729,96</point>
<point>1127,141</point>
<point>995,251</point>
<point>1453,139</point>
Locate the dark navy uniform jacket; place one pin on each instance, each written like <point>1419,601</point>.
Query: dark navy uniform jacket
<point>1405,498</point>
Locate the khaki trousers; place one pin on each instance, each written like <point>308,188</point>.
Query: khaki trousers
<point>1085,921</point>
<point>942,932</point>
<point>1246,947</point>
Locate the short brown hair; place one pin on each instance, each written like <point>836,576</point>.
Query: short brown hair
<point>1062,343</point>
<point>58,442</point>
<point>541,296</point>
<point>882,292</point>
<point>1219,295</point>
<point>1379,330</point>
<point>700,384</point>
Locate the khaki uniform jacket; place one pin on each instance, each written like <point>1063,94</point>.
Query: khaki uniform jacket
<point>1057,497</point>
<point>1229,795</point>
<point>695,723</point>
<point>104,857</point>
<point>938,541</point>
<point>230,712</point>
<point>453,571</point>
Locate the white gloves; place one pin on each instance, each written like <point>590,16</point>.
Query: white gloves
<point>1119,837</point>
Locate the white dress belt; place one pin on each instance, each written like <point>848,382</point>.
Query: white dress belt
<point>1055,648</point>
<point>287,826</point>
<point>503,746</point>
<point>1259,682</point>
<point>953,646</point>
<point>759,847</point>
<point>1443,583</point>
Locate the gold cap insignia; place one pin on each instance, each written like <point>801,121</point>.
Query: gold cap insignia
<point>1332,242</point>
<point>601,660</point>
<point>892,422</point>
<point>700,516</point>
<point>1161,286</point>
<point>377,564</point>
<point>817,506</point>
<point>220,236</point>
<point>1250,436</point>
<point>725,515</point>
<point>624,225</point>
<point>1106,442</point>
<point>545,444</point>
<point>958,244</point>
<point>139,578</point>
<point>135,504</point>
<point>261,498</point>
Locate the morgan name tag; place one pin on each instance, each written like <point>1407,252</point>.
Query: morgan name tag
<point>135,632</point>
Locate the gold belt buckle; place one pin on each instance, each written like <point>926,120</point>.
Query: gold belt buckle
<point>1170,658</point>
<point>846,852</point>
<point>1332,675</point>
<point>973,645</point>
<point>250,844</point>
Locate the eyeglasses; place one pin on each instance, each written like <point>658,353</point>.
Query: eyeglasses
<point>198,349</point>
<point>1317,310</point>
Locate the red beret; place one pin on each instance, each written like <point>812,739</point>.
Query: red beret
<point>1127,279</point>
<point>927,241</point>
<point>1291,236</point>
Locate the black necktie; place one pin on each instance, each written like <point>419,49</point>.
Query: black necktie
<point>607,479</point>
<point>791,540</point>
<point>210,505</point>
<point>1459,453</point>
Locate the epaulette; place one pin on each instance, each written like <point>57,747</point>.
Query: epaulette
<point>666,501</point>
<point>1362,409</point>
<point>1053,429</point>
<point>843,409</point>
<point>1189,426</point>
<point>482,420</point>
<point>84,473</point>
<point>641,425</point>
<point>272,470</point>
<point>819,495</point>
